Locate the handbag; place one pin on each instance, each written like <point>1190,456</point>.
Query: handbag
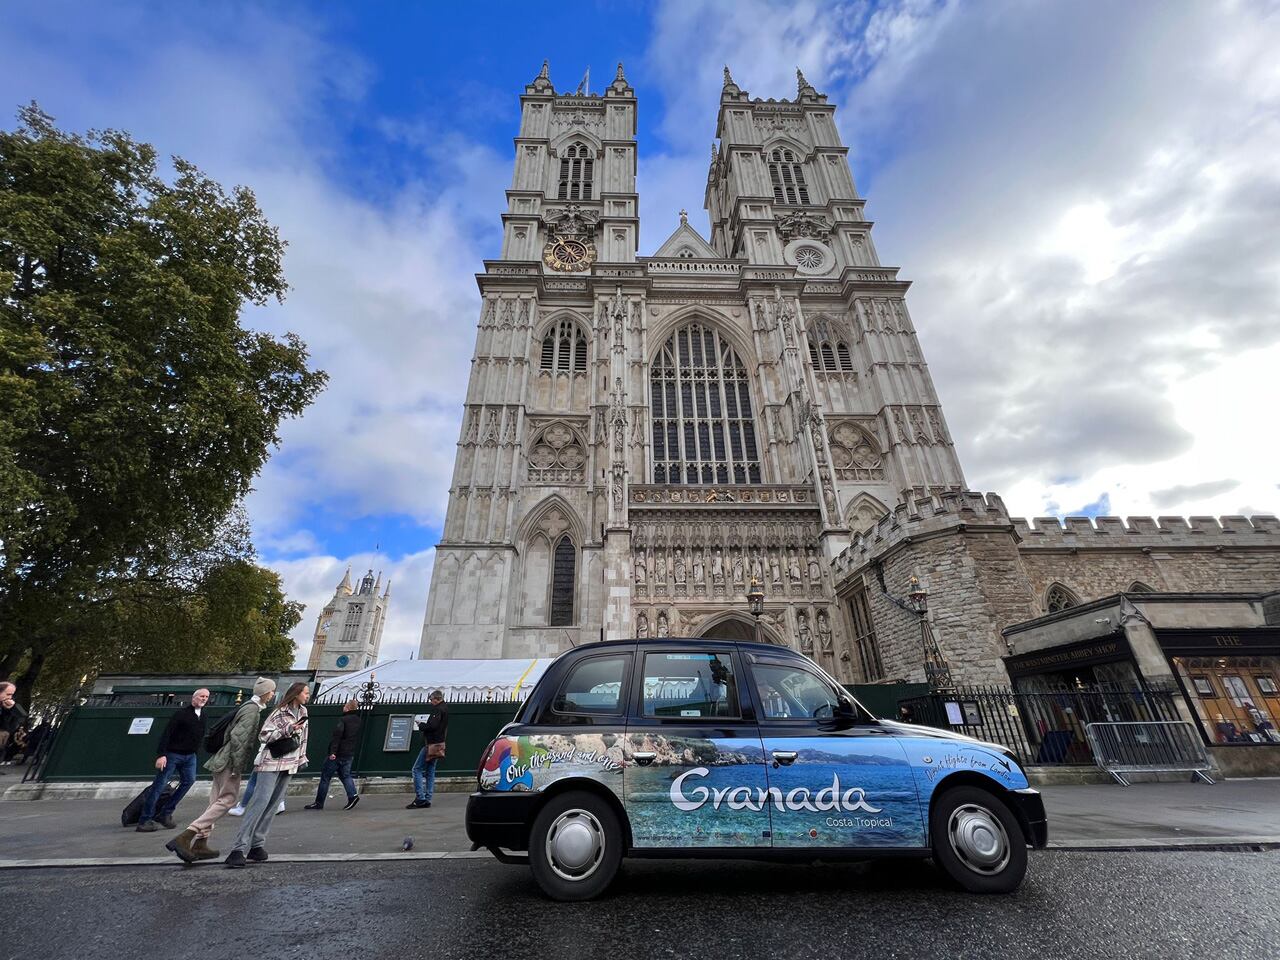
<point>285,745</point>
<point>435,751</point>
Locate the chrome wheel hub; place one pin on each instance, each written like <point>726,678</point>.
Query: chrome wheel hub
<point>575,844</point>
<point>978,839</point>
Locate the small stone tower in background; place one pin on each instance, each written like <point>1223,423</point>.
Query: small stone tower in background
<point>349,629</point>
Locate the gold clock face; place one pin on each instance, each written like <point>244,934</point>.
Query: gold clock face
<point>568,255</point>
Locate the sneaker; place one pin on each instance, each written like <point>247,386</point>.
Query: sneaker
<point>167,823</point>
<point>416,803</point>
<point>147,826</point>
<point>280,809</point>
<point>258,855</point>
<point>352,802</point>
<point>314,806</point>
<point>235,860</point>
<point>236,811</point>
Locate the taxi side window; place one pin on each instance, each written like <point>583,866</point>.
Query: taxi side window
<point>594,686</point>
<point>690,685</point>
<point>790,692</point>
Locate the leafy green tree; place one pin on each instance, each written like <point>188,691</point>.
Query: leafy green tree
<point>135,409</point>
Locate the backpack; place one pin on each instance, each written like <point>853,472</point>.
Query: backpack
<point>216,738</point>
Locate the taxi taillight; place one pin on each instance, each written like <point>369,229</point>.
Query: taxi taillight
<point>484,758</point>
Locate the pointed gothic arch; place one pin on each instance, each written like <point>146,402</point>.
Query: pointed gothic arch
<point>549,547</point>
<point>1139,587</point>
<point>864,512</point>
<point>732,625</point>
<point>702,411</point>
<point>1059,597</point>
<point>563,344</point>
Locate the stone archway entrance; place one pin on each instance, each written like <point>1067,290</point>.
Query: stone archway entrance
<point>735,627</point>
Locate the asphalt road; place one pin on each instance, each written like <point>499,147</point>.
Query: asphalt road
<point>1130,905</point>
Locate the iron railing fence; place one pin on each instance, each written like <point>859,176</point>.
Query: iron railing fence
<point>1044,727</point>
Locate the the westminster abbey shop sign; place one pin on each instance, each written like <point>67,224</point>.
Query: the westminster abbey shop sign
<point>1070,656</point>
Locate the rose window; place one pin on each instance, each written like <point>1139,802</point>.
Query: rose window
<point>810,258</point>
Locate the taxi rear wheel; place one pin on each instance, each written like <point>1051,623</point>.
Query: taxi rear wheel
<point>977,841</point>
<point>575,846</point>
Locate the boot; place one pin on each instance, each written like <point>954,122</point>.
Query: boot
<point>147,826</point>
<point>182,845</point>
<point>201,850</point>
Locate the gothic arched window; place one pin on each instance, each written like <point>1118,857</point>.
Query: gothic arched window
<point>564,348</point>
<point>351,628</point>
<point>703,429</point>
<point>576,173</point>
<point>830,357</point>
<point>1139,587</point>
<point>1059,598</point>
<point>563,562</point>
<point>787,177</point>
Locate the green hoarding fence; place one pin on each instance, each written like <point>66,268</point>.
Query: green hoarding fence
<point>95,743</point>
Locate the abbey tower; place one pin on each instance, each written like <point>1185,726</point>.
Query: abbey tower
<point>643,435</point>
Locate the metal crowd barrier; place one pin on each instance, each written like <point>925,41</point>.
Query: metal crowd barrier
<point>1169,746</point>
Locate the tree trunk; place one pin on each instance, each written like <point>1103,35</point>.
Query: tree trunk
<point>27,682</point>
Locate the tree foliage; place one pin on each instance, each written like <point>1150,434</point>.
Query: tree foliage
<point>135,409</point>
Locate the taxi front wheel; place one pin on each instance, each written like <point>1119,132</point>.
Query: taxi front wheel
<point>977,841</point>
<point>575,846</point>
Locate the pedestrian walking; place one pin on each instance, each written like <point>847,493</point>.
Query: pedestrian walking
<point>252,785</point>
<point>226,765</point>
<point>434,730</point>
<point>176,756</point>
<point>342,750</point>
<point>283,753</point>
<point>12,716</point>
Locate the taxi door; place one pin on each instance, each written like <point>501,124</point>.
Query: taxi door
<point>832,783</point>
<point>694,771</point>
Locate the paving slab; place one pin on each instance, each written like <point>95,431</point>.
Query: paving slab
<point>1231,814</point>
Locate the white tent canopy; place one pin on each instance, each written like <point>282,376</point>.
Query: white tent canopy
<point>498,679</point>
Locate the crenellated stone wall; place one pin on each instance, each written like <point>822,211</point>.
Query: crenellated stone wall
<point>985,571</point>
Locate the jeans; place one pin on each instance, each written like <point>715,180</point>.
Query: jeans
<point>184,766</point>
<point>248,790</point>
<point>424,776</point>
<point>259,814</point>
<point>342,767</point>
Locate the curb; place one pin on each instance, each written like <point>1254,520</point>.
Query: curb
<point>1147,844</point>
<point>128,789</point>
<point>1200,844</point>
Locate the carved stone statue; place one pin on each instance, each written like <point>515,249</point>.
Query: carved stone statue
<point>775,568</point>
<point>757,568</point>
<point>664,626</point>
<point>642,624</point>
<point>677,566</point>
<point>793,566</point>
<point>662,566</point>
<point>717,566</point>
<point>737,568</point>
<point>804,633</point>
<point>642,574</point>
<point>824,630</point>
<point>698,569</point>
<point>815,570</point>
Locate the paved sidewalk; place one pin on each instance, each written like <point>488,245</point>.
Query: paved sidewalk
<point>1245,812</point>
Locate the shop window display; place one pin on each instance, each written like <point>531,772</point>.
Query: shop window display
<point>1236,698</point>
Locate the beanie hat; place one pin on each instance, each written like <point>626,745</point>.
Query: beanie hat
<point>262,686</point>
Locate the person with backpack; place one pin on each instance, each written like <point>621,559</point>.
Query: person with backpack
<point>175,757</point>
<point>232,741</point>
<point>284,753</point>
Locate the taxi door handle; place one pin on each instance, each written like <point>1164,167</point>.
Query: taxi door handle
<point>644,759</point>
<point>784,757</point>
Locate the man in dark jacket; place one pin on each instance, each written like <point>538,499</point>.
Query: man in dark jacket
<point>434,727</point>
<point>342,750</point>
<point>175,756</point>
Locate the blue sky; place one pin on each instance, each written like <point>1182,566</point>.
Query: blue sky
<point>1083,194</point>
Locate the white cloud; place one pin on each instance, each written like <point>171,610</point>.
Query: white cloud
<point>1087,202</point>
